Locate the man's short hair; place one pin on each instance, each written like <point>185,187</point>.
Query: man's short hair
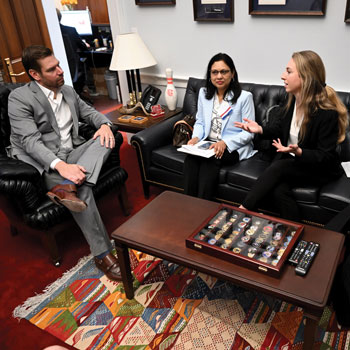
<point>31,55</point>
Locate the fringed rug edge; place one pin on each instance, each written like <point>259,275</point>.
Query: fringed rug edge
<point>23,310</point>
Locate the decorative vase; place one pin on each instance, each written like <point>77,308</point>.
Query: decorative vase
<point>170,91</point>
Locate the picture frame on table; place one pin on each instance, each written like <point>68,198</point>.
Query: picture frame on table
<point>213,10</point>
<point>155,2</point>
<point>347,12</point>
<point>287,7</point>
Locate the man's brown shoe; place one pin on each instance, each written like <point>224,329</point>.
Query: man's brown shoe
<point>109,266</point>
<point>67,196</point>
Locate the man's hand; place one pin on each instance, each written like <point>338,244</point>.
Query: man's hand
<point>193,141</point>
<point>72,172</point>
<point>106,136</point>
<point>219,148</point>
<point>292,148</point>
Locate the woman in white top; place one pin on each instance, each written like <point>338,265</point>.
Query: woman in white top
<point>305,135</point>
<point>221,103</point>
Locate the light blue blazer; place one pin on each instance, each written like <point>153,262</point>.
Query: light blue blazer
<point>235,138</point>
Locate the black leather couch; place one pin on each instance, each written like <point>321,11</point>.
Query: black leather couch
<point>23,194</point>
<point>160,163</point>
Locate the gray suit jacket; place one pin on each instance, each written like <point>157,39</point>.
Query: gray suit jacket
<point>35,136</point>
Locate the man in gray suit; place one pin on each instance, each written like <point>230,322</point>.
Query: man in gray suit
<point>44,116</point>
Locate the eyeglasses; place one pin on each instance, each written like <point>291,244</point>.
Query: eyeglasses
<point>222,72</point>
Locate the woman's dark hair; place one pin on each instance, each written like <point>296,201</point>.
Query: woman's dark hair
<point>31,55</point>
<point>234,86</point>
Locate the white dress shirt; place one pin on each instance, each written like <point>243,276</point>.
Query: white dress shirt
<point>63,117</point>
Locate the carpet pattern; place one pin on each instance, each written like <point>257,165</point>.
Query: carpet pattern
<point>174,308</point>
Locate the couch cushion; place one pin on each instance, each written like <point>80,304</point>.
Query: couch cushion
<point>336,194</point>
<point>307,194</point>
<point>246,172</point>
<point>167,157</point>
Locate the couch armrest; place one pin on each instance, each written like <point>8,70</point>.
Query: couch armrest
<point>154,137</point>
<point>22,182</point>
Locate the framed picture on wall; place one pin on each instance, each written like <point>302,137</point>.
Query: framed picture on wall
<point>213,10</point>
<point>287,7</point>
<point>155,2</point>
<point>347,12</point>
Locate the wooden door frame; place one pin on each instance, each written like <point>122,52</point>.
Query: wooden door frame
<point>45,37</point>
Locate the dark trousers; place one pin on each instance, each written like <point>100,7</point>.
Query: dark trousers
<point>278,180</point>
<point>201,174</point>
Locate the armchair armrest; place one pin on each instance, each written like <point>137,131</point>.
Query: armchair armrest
<point>88,131</point>
<point>114,158</point>
<point>22,182</point>
<point>154,137</point>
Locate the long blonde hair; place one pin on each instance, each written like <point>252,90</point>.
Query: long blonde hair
<point>315,94</point>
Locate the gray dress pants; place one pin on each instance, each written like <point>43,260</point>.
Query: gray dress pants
<point>91,155</point>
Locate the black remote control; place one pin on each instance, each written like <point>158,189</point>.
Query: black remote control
<point>298,252</point>
<point>307,259</point>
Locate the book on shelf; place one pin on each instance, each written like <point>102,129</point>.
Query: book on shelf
<point>199,149</point>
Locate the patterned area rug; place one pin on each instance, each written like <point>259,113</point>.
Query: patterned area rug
<point>174,308</point>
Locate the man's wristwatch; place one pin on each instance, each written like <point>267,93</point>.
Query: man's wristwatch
<point>108,123</point>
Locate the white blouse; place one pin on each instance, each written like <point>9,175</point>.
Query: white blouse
<point>294,129</point>
<point>216,122</point>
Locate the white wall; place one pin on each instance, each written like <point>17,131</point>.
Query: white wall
<point>259,45</point>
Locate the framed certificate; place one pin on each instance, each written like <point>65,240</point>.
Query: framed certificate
<point>287,7</point>
<point>155,2</point>
<point>213,10</point>
<point>347,12</point>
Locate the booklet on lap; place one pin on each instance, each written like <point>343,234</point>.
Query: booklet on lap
<point>199,149</point>
<point>346,167</point>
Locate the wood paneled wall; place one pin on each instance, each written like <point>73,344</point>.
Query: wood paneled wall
<point>22,23</point>
<point>98,9</point>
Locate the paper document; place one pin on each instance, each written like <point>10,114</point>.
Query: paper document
<point>271,2</point>
<point>346,167</point>
<point>199,149</point>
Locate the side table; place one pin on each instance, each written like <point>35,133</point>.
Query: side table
<point>134,128</point>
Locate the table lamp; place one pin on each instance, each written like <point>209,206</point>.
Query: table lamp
<point>130,53</point>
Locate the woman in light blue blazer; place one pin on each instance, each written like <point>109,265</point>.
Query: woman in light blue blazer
<point>220,104</point>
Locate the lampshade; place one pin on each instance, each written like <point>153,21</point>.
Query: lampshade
<point>130,52</point>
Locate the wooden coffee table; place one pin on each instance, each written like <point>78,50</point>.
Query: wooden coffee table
<point>134,128</point>
<point>161,227</point>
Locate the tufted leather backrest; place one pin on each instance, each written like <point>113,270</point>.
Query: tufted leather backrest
<point>4,120</point>
<point>191,96</point>
<point>5,128</point>
<point>344,147</point>
<point>264,97</point>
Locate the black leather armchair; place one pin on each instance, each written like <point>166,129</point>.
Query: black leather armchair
<point>160,163</point>
<point>23,194</point>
